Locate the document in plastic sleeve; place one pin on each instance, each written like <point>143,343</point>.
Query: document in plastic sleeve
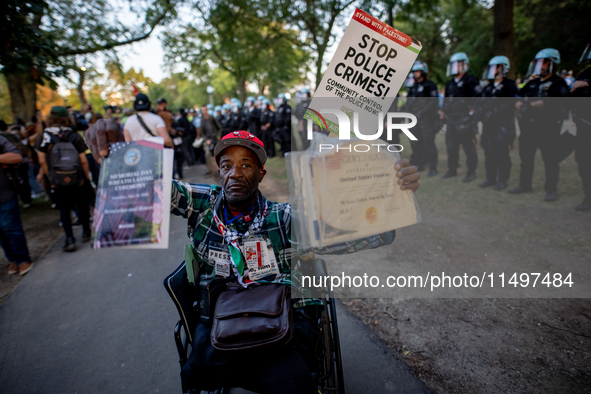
<point>133,196</point>
<point>260,259</point>
<point>358,195</point>
<point>222,262</point>
<point>343,195</point>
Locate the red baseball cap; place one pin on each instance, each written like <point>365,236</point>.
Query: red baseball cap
<point>244,139</point>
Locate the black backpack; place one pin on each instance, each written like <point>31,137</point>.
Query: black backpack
<point>65,168</point>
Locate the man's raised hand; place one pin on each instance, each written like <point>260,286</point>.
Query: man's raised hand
<point>408,176</point>
<point>102,134</point>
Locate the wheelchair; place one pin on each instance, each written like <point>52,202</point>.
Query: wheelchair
<point>329,372</point>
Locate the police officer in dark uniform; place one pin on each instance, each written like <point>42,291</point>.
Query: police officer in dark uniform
<point>283,123</point>
<point>540,121</point>
<point>225,119</point>
<point>238,117</point>
<point>267,120</point>
<point>253,117</point>
<point>498,122</point>
<point>218,112</point>
<point>303,97</point>
<point>423,103</point>
<point>582,119</point>
<point>459,114</point>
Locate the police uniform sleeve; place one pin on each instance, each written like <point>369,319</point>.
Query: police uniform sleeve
<point>522,92</point>
<point>512,90</point>
<point>475,88</point>
<point>559,88</point>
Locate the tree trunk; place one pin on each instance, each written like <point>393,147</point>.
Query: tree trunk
<point>242,89</point>
<point>23,95</point>
<point>80,87</point>
<point>390,14</point>
<point>504,34</point>
<point>319,59</point>
<point>262,86</point>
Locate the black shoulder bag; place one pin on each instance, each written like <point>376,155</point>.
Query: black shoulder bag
<point>139,118</point>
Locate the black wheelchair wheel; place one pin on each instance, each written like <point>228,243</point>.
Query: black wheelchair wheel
<point>332,364</point>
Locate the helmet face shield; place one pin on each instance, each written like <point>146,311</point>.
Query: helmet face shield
<point>536,67</point>
<point>455,68</point>
<point>491,71</point>
<point>586,55</point>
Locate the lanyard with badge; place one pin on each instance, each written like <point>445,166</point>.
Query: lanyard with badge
<point>255,257</point>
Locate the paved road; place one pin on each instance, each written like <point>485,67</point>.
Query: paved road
<point>101,322</point>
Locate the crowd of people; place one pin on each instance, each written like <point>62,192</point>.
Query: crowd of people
<point>43,146</point>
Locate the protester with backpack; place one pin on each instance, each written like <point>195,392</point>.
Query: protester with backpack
<point>62,157</point>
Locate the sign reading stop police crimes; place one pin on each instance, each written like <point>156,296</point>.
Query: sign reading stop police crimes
<point>364,76</point>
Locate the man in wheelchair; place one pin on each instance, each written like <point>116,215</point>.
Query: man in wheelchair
<point>222,223</point>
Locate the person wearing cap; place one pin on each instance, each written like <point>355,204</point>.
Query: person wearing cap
<point>145,124</point>
<point>60,128</point>
<point>166,114</point>
<point>219,216</point>
<point>540,122</point>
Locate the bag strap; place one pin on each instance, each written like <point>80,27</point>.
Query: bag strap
<point>139,118</point>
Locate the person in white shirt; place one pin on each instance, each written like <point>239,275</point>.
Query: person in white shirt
<point>134,130</point>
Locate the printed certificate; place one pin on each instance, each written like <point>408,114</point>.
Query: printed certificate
<point>357,194</point>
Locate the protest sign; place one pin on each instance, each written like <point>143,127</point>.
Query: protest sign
<point>132,206</point>
<point>366,72</point>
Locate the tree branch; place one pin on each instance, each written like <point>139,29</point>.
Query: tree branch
<point>111,45</point>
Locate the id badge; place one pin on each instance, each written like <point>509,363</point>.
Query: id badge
<point>219,257</point>
<point>259,257</point>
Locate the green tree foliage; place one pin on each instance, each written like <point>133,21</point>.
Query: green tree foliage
<point>243,37</point>
<point>39,37</point>
<point>317,19</point>
<point>179,92</point>
<point>5,113</point>
<point>563,25</point>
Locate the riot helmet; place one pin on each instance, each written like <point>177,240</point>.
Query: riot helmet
<point>498,64</point>
<point>419,70</point>
<point>458,63</point>
<point>266,103</point>
<point>545,62</point>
